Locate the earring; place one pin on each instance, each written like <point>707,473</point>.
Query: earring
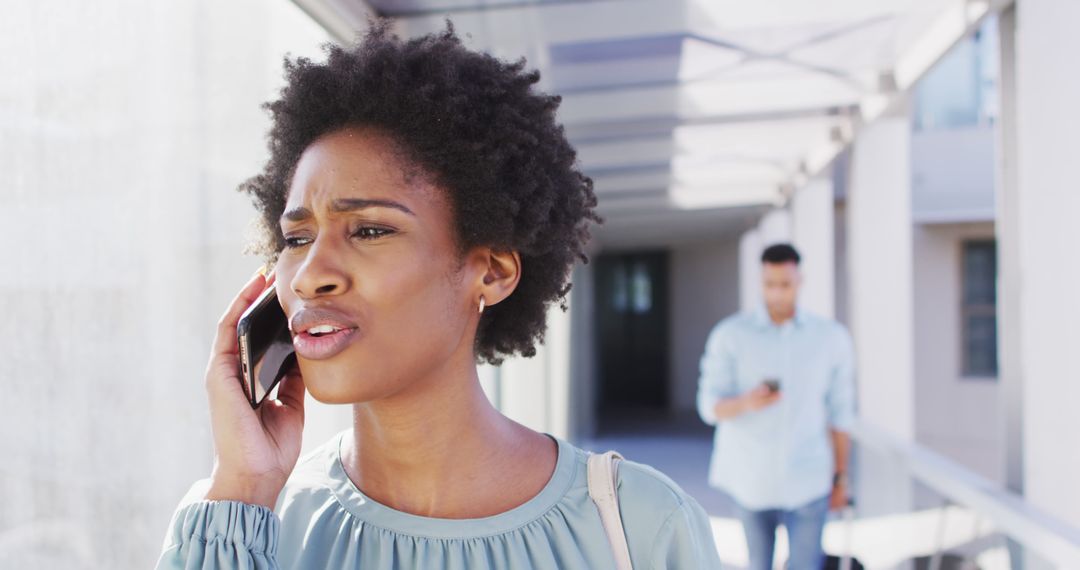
<point>481,304</point>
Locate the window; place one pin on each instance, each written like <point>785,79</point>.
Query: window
<point>961,90</point>
<point>633,291</point>
<point>979,309</point>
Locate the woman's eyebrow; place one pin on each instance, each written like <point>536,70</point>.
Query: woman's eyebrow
<point>341,205</point>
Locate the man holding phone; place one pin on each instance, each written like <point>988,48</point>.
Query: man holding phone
<point>778,384</point>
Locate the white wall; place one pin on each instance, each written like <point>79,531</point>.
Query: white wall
<point>704,281</point>
<point>956,416</point>
<point>1046,232</point>
<point>125,128</point>
<point>953,174</point>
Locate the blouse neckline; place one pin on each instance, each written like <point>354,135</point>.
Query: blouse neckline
<point>372,512</point>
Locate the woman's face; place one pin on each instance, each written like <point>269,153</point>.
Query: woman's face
<point>372,254</point>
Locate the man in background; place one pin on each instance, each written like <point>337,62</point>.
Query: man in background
<point>778,384</point>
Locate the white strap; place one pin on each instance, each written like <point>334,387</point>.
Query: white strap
<point>603,474</point>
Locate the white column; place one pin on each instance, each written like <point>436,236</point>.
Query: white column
<point>536,391</point>
<point>750,269</point>
<point>880,273</point>
<point>881,304</point>
<point>775,227</point>
<point>1009,320</point>
<point>524,390</point>
<point>558,364</point>
<point>1047,201</point>
<point>812,210</point>
<point>582,380</point>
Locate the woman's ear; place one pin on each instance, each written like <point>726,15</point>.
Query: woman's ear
<point>499,274</point>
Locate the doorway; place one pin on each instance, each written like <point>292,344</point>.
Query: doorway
<point>632,321</point>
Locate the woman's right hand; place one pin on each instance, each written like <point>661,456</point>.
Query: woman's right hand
<point>254,450</point>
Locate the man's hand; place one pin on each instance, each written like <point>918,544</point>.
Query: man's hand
<point>838,499</point>
<point>759,398</point>
<point>841,444</point>
<point>752,401</point>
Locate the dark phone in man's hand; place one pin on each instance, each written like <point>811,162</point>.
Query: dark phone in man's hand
<point>266,348</point>
<point>772,384</point>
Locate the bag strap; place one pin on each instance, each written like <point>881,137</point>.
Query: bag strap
<point>603,475</point>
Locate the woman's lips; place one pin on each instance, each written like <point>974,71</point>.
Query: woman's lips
<point>323,346</point>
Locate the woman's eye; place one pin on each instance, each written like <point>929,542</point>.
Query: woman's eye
<point>371,232</point>
<point>364,233</point>
<point>294,242</point>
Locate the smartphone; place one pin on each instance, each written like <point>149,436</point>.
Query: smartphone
<point>772,384</point>
<point>266,347</point>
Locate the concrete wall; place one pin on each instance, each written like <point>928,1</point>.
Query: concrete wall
<point>125,127</point>
<point>956,416</point>
<point>704,290</point>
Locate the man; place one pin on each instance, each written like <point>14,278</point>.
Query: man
<point>778,384</point>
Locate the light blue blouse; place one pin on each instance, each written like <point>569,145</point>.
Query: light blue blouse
<point>322,520</point>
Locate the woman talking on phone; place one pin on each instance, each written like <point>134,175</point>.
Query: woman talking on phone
<point>422,210</point>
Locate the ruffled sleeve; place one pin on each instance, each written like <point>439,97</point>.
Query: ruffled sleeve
<point>221,535</point>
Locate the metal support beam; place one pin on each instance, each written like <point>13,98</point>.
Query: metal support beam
<point>343,20</point>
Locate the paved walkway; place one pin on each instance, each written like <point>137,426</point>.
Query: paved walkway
<point>679,446</point>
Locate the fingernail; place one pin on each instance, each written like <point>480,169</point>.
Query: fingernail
<point>260,271</point>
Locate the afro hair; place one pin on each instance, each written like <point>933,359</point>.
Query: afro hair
<point>472,123</point>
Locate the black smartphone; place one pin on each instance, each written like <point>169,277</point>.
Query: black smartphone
<point>266,348</point>
<point>772,384</point>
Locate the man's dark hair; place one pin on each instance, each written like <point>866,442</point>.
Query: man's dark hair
<point>780,253</point>
<point>475,127</point>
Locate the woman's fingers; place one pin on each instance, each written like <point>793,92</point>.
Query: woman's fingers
<point>225,341</point>
<point>291,390</point>
<point>255,450</point>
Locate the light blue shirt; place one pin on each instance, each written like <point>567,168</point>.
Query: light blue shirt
<point>322,520</point>
<point>779,457</point>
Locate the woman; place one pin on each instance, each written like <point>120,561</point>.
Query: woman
<point>422,211</point>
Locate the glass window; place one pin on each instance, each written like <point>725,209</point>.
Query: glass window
<point>642,286</point>
<point>961,89</point>
<point>979,306</point>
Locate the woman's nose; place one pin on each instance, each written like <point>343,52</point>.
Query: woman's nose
<point>321,273</point>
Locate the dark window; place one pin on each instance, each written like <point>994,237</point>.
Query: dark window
<point>979,309</point>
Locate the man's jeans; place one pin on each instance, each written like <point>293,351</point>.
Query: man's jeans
<point>804,526</point>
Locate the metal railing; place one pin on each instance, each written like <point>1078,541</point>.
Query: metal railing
<point>1050,538</point>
